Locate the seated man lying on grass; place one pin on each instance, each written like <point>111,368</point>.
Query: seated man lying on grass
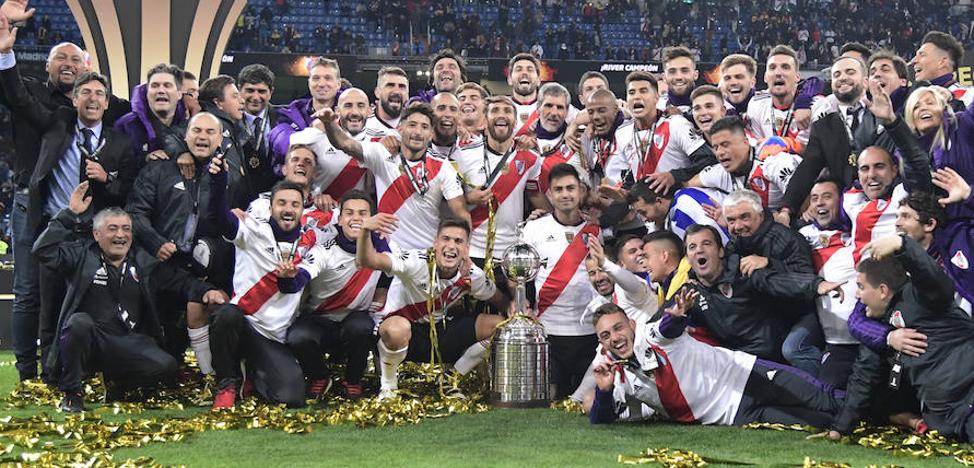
<point>658,369</point>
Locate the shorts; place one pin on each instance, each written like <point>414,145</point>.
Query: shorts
<point>454,334</point>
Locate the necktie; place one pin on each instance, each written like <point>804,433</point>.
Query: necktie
<point>854,112</point>
<point>258,135</point>
<point>86,136</point>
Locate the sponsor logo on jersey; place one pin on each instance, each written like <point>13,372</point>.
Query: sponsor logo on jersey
<point>726,289</point>
<point>959,260</point>
<point>896,319</point>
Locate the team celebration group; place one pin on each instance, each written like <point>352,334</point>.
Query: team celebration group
<point>710,254</point>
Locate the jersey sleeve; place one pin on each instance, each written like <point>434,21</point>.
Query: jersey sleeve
<point>716,177</point>
<point>246,229</point>
<point>780,167</point>
<point>481,288</point>
<point>686,138</point>
<point>451,182</point>
<point>408,264</point>
<point>314,261</point>
<point>373,155</point>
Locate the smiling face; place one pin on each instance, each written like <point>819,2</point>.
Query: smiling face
<point>616,333</point>
<point>602,110</point>
<point>631,256</point>
<point>286,208</point>
<point>500,121</point>
<point>524,78</point>
<point>471,107</point>
<point>848,81</point>
<point>731,149</point>
<point>91,101</point>
<point>655,260</point>
<point>680,75</point>
<point>825,201</point>
<point>781,76</point>
<point>650,211</point>
<point>908,223</point>
<point>204,135</point>
<point>928,115</point>
<point>351,216</point>
<point>416,131</point>
<point>599,279</point>
<point>641,99</point>
<point>114,236</point>
<point>323,83</point>
<point>162,91</point>
<point>446,75</point>
<point>299,166</point>
<point>707,109</point>
<point>930,62</point>
<point>231,104</point>
<point>65,64</point>
<point>736,83</point>
<point>446,113</point>
<point>884,71</point>
<point>565,194</point>
<point>705,254</point>
<point>450,247</point>
<point>742,219</point>
<point>353,110</point>
<point>553,112</point>
<point>590,86</point>
<point>392,92</point>
<point>256,97</point>
<point>876,172</point>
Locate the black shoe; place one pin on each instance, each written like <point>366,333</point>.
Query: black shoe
<point>73,402</point>
<point>114,392</point>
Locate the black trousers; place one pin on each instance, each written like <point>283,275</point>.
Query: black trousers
<point>500,279</point>
<point>569,359</point>
<point>274,370</point>
<point>776,393</point>
<point>132,359</point>
<point>348,341</point>
<point>837,364</point>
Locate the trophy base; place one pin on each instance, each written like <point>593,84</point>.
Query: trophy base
<point>520,404</point>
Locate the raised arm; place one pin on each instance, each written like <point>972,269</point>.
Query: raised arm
<point>57,247</point>
<point>15,95</point>
<point>915,160</point>
<point>226,222</point>
<point>366,255</point>
<point>338,137</point>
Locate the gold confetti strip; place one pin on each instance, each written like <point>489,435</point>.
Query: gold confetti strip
<point>569,406</point>
<point>664,457</point>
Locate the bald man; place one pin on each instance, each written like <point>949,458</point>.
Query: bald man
<point>446,120</point>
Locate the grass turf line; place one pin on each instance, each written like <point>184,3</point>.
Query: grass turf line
<point>517,438</point>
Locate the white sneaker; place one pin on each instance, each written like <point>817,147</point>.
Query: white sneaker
<point>387,394</point>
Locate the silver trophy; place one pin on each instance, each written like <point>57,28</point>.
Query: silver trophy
<point>519,349</point>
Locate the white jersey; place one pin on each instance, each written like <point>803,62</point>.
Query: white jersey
<point>446,152</point>
<point>413,196</point>
<point>562,285</point>
<point>768,178</point>
<point>765,120</point>
<point>680,379</point>
<point>523,112</point>
<point>341,287</point>
<point>336,172</point>
<point>608,155</point>
<point>832,257</point>
<point>255,285</point>
<point>476,164</point>
<point>378,125</point>
<point>871,219</point>
<point>319,224</point>
<point>664,101</point>
<point>686,209</point>
<point>632,293</point>
<point>666,146</point>
<point>550,159</point>
<point>962,93</point>
<point>408,292</point>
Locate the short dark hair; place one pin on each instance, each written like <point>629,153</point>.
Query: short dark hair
<point>927,208</point>
<point>212,89</point>
<point>672,242</point>
<point>946,43</point>
<point>418,108</point>
<point>640,75</point>
<point>176,72</point>
<point>502,100</point>
<point>390,70</point>
<point>286,185</point>
<point>608,308</point>
<point>749,63</point>
<point>474,86</point>
<point>356,194</point>
<point>782,49</point>
<point>620,242</point>
<point>640,191</point>
<point>563,170</point>
<point>732,123</point>
<point>588,76</point>
<point>88,77</point>
<point>899,64</point>
<point>673,53</point>
<point>524,56</point>
<point>830,180</point>
<point>695,228</point>
<point>888,271</point>
<point>448,54</point>
<point>188,75</point>
<point>452,222</point>
<point>858,47</point>
<point>256,73</point>
<point>704,90</point>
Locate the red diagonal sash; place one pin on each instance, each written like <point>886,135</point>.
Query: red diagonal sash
<point>401,189</point>
<point>262,291</point>
<point>504,185</point>
<point>414,312</point>
<point>547,163</point>
<point>865,222</point>
<point>348,293</point>
<point>565,269</point>
<point>528,124</point>
<point>670,394</point>
<point>346,180</point>
<point>822,255</point>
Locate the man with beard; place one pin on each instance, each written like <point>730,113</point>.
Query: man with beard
<point>472,96</point>
<point>524,78</point>
<point>936,60</point>
<point>324,82</point>
<point>890,70</point>
<point>65,62</point>
<point>411,184</point>
<point>275,260</point>
<point>680,73</point>
<point>337,172</point>
<point>256,83</point>
<point>447,71</point>
<point>620,282</point>
<point>404,331</point>
<point>335,315</point>
<point>561,287</point>
<point>495,174</point>
<point>781,110</point>
<point>446,139</point>
<point>392,91</point>
<point>737,81</point>
<point>738,166</point>
<point>109,321</point>
<point>158,120</point>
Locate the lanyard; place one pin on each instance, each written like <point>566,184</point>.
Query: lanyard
<point>421,187</point>
<point>644,148</point>
<point>497,169</point>
<point>786,124</point>
<point>603,151</point>
<point>83,148</point>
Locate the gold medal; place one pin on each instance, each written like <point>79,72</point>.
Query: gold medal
<point>254,162</point>
<point>852,159</point>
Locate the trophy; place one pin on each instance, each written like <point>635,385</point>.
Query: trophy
<point>519,349</point>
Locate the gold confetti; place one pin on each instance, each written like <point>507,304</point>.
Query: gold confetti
<point>664,457</point>
<point>569,406</point>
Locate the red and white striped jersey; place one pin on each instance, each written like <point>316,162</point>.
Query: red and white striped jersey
<point>665,146</point>
<point>962,93</point>
<point>320,223</point>
<point>765,120</point>
<point>341,287</point>
<point>255,287</point>
<point>550,159</point>
<point>768,178</point>
<point>871,219</point>
<point>476,163</point>
<point>681,379</point>
<point>832,257</point>
<point>376,124</point>
<point>632,293</point>
<point>335,171</point>
<point>413,197</point>
<point>408,292</point>
<point>562,285</point>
